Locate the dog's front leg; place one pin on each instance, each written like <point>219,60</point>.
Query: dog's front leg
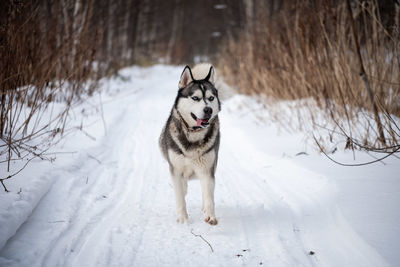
<point>181,212</point>
<point>207,187</point>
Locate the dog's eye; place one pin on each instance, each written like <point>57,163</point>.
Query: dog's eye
<point>195,98</point>
<point>211,98</point>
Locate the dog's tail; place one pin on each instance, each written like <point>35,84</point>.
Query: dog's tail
<point>200,71</point>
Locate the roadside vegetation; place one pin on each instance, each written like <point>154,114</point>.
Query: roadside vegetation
<point>339,61</point>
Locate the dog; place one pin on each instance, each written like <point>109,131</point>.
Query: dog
<point>190,138</point>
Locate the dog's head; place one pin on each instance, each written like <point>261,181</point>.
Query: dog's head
<point>197,100</point>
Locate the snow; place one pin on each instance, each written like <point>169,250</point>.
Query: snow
<point>220,6</point>
<point>110,201</point>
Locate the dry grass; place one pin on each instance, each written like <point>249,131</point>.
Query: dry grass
<point>44,60</point>
<point>309,50</point>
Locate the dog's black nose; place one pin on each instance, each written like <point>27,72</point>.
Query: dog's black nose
<point>208,111</point>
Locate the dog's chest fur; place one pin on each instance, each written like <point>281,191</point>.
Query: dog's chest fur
<point>194,144</point>
<point>186,150</point>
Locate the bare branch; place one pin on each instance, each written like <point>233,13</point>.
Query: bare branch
<point>212,250</point>
<point>356,164</point>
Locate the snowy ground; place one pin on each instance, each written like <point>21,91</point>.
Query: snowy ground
<point>110,201</point>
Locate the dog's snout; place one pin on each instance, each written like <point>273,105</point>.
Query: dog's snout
<point>208,111</point>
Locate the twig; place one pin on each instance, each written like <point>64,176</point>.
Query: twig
<point>357,164</point>
<point>94,158</point>
<point>102,115</point>
<point>212,250</point>
<point>372,156</point>
<point>88,135</point>
<point>11,175</point>
<point>60,152</point>
<point>5,188</point>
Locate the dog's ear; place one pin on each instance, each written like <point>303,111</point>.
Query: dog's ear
<point>186,77</point>
<point>210,76</point>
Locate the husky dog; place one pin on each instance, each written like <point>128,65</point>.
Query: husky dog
<point>190,138</point>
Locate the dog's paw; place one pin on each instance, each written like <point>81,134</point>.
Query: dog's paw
<point>182,218</point>
<point>211,220</point>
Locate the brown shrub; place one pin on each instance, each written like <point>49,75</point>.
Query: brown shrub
<point>308,49</point>
<point>44,59</point>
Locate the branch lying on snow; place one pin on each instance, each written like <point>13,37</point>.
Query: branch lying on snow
<point>395,149</point>
<point>94,158</point>
<point>390,149</point>
<point>212,250</point>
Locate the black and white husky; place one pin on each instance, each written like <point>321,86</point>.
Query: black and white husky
<point>190,138</point>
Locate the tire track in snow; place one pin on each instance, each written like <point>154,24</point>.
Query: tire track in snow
<point>129,197</point>
<point>87,205</point>
<point>266,221</point>
<point>107,189</point>
<point>125,224</point>
<point>297,211</point>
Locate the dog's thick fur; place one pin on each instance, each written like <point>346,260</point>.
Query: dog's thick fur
<point>190,138</point>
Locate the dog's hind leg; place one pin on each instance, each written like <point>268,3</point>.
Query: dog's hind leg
<point>207,187</point>
<point>180,192</point>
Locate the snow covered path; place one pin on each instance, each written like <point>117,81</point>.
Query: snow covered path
<point>113,204</point>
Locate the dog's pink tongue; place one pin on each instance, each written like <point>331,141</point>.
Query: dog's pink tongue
<point>200,121</point>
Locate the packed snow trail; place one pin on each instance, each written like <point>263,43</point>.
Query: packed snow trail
<point>114,204</point>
